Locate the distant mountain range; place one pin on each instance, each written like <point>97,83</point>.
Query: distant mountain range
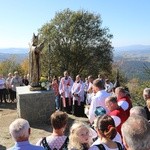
<point>19,53</point>
<point>130,59</point>
<point>137,52</point>
<point>14,50</point>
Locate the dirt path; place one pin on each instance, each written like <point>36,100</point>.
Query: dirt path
<point>8,113</point>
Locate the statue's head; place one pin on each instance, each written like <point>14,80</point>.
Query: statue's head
<point>35,40</point>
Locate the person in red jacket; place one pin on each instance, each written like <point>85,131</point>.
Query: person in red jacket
<point>116,112</point>
<point>123,99</point>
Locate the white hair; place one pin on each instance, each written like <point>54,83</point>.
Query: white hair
<point>146,92</point>
<point>138,110</point>
<point>136,133</point>
<point>19,129</point>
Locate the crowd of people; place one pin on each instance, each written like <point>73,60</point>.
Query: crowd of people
<point>102,136</point>
<point>8,86</point>
<point>114,124</point>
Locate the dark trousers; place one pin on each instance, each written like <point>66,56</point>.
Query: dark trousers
<point>11,95</point>
<point>68,108</point>
<point>3,93</point>
<point>78,110</point>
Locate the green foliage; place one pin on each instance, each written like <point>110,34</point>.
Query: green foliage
<point>43,79</point>
<point>136,88</point>
<point>76,42</point>
<point>10,65</point>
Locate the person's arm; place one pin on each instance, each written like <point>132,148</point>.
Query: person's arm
<point>91,116</point>
<point>72,89</point>
<point>61,87</point>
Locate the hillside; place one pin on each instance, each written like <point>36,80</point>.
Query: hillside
<point>132,61</point>
<point>18,53</point>
<point>14,50</point>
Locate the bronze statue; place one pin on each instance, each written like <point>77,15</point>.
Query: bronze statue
<point>34,61</point>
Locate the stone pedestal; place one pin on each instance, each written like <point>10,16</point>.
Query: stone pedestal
<point>35,106</point>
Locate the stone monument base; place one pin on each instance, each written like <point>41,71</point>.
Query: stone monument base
<point>35,106</point>
<point>35,88</point>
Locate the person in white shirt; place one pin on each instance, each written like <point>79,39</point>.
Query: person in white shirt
<point>77,91</point>
<point>98,99</point>
<point>16,81</point>
<point>65,86</point>
<point>9,86</point>
<point>108,86</point>
<point>89,92</point>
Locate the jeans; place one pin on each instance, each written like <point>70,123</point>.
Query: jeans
<point>57,102</point>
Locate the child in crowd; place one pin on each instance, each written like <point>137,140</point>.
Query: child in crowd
<point>55,87</point>
<point>57,140</point>
<point>80,137</point>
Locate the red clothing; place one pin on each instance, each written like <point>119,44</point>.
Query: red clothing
<point>55,87</point>
<point>125,99</point>
<point>119,116</point>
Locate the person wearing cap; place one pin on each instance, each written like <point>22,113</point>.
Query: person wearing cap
<point>15,82</point>
<point>99,111</point>
<point>98,99</point>
<point>20,132</point>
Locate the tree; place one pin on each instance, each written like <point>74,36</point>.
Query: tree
<point>25,66</point>
<point>10,65</point>
<point>78,43</point>
<point>136,88</point>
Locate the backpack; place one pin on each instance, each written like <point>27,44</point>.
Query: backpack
<point>46,146</point>
<point>101,146</point>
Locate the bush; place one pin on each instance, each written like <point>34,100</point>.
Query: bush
<point>136,88</point>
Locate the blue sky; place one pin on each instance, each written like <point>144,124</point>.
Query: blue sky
<point>128,20</point>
